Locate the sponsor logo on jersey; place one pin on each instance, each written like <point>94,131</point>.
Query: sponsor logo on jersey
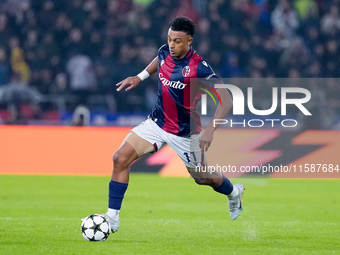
<point>186,71</point>
<point>162,62</point>
<point>172,84</point>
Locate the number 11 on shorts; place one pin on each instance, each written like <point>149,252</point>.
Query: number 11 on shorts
<point>193,156</point>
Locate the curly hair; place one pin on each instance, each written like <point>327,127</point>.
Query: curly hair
<point>183,24</point>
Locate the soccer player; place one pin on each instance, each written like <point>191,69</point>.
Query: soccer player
<point>173,120</point>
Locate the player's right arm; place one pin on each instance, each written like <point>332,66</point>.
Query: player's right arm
<point>153,66</point>
<point>134,81</point>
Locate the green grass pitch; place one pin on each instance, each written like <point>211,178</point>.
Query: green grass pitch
<point>162,215</point>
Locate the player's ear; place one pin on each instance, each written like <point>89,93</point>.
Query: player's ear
<point>190,40</point>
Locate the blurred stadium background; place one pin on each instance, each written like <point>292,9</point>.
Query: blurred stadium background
<point>57,55</point>
<point>59,63</point>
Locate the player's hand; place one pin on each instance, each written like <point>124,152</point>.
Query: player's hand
<point>132,81</point>
<point>206,139</point>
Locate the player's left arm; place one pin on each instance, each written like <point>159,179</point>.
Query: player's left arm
<point>205,71</point>
<point>221,113</point>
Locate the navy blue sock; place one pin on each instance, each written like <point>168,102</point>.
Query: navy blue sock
<point>226,187</point>
<point>116,194</point>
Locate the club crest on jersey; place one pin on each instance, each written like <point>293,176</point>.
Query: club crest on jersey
<point>186,71</point>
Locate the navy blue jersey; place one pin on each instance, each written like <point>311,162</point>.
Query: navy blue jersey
<point>175,109</point>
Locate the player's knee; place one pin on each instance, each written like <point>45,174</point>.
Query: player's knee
<point>115,157</point>
<point>119,160</point>
<point>201,181</point>
<point>207,181</point>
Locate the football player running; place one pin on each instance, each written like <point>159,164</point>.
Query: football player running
<point>174,120</point>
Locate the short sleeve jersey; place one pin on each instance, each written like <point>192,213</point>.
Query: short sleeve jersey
<point>175,108</point>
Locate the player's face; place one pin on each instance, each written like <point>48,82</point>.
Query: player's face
<point>179,43</point>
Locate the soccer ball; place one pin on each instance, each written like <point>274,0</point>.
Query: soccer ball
<point>95,228</point>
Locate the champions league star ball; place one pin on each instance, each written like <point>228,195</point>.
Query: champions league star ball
<point>95,228</point>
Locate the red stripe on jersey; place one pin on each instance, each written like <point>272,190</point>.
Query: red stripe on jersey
<point>189,100</point>
<point>169,104</point>
<point>189,53</point>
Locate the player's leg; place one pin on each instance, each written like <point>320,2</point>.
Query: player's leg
<point>204,176</point>
<point>132,148</point>
<point>213,179</point>
<point>142,140</point>
<point>122,159</point>
<point>189,151</point>
<point>220,184</point>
